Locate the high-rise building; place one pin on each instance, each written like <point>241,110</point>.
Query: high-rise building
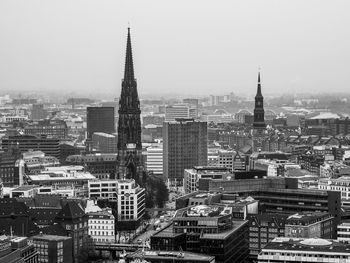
<point>129,161</point>
<point>99,119</point>
<point>184,146</point>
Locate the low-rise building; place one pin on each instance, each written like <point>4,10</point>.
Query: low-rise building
<point>284,249</point>
<point>103,189</point>
<point>192,176</point>
<point>341,184</point>
<point>101,226</point>
<point>209,230</point>
<point>309,225</point>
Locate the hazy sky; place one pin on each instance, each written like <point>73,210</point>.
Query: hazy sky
<point>179,46</point>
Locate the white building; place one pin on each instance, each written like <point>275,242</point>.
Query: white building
<point>101,226</point>
<point>341,184</point>
<point>179,111</point>
<point>192,176</point>
<point>131,200</point>
<point>343,232</point>
<point>218,118</point>
<point>283,249</point>
<point>154,160</point>
<point>103,189</point>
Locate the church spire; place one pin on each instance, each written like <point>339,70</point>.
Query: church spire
<point>258,92</point>
<point>129,65</point>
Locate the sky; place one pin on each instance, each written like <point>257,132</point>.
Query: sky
<point>194,47</point>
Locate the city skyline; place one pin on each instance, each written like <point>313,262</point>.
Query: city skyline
<point>194,48</point>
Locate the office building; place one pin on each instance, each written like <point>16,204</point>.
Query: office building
<point>24,143</point>
<point>184,146</point>
<point>99,119</point>
<point>341,184</point>
<point>310,225</point>
<point>179,111</point>
<point>103,189</point>
<point>53,249</point>
<point>206,229</point>
<point>104,142</point>
<point>11,169</point>
<point>263,228</point>
<point>192,176</point>
<point>62,175</point>
<point>131,200</point>
<point>129,162</point>
<point>343,232</point>
<point>50,128</point>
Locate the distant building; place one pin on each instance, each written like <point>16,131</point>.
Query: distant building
<point>219,118</point>
<point>50,128</point>
<point>38,112</point>
<point>184,146</point>
<point>101,165</point>
<point>53,249</point>
<point>104,142</point>
<point>99,119</point>
<point>179,111</point>
<point>62,175</point>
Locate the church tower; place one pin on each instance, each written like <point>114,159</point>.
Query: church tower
<point>129,161</point>
<point>259,113</point>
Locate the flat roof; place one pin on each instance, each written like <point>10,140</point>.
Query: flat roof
<point>50,237</point>
<point>222,235</point>
<point>317,245</point>
<point>179,255</point>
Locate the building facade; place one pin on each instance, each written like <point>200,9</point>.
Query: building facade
<point>184,146</point>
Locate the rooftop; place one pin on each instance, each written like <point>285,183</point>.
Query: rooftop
<point>204,211</point>
<point>222,235</point>
<point>50,237</point>
<point>183,255</point>
<point>310,244</point>
<point>307,218</point>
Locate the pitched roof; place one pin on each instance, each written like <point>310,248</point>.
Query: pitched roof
<point>71,211</point>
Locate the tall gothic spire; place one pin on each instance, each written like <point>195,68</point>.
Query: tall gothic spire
<point>258,92</point>
<point>129,65</point>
